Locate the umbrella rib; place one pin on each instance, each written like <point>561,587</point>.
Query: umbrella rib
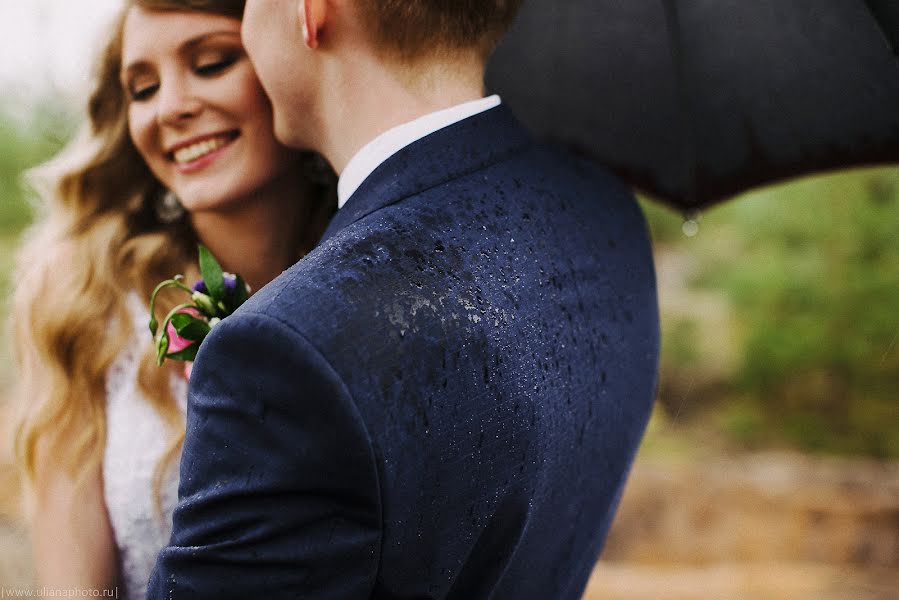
<point>886,12</point>
<point>689,149</point>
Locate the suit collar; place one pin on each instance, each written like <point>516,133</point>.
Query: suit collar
<point>442,156</point>
<point>382,147</point>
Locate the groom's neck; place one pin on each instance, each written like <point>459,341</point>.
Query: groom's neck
<point>369,99</point>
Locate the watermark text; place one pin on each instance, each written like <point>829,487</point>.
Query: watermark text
<point>47,592</point>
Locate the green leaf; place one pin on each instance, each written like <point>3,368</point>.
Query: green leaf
<point>187,355</point>
<point>179,320</point>
<point>212,274</point>
<point>239,295</point>
<point>190,328</point>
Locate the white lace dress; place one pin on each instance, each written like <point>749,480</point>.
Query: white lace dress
<point>135,442</point>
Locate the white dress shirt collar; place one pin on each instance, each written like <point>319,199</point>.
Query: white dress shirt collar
<point>366,160</point>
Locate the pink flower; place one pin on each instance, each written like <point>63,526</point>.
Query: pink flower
<point>176,342</point>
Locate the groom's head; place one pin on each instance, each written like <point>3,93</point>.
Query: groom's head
<point>297,45</point>
<point>414,30</point>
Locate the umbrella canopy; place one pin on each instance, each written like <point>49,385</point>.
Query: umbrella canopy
<point>887,12</point>
<point>694,101</point>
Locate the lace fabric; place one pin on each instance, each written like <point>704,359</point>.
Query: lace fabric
<point>136,440</point>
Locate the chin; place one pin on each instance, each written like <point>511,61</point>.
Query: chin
<point>207,202</point>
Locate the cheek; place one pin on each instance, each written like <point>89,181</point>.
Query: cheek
<point>251,26</point>
<point>137,130</point>
<point>253,102</point>
<point>256,109</point>
<point>141,128</point>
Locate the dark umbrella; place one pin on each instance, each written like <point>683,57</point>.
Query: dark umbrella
<point>694,101</point>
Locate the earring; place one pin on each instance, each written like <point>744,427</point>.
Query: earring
<point>168,207</point>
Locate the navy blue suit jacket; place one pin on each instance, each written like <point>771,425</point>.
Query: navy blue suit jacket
<point>442,400</point>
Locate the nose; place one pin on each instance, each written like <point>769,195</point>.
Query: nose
<point>177,103</point>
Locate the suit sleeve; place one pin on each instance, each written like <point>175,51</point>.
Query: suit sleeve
<point>279,493</point>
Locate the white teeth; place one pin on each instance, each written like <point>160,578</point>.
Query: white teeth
<point>200,149</point>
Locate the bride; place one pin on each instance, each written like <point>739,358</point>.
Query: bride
<point>179,149</point>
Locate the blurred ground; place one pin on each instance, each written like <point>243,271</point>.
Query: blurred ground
<point>701,524</point>
<point>740,581</point>
<point>15,558</point>
<point>766,526</point>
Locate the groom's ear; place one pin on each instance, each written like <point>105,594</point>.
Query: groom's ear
<point>313,14</point>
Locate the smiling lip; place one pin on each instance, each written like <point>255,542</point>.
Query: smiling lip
<point>196,153</point>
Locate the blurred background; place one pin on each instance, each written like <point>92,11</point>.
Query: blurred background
<point>771,466</point>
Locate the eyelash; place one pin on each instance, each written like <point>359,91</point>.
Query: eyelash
<point>206,70</point>
<point>143,93</point>
<point>215,67</point>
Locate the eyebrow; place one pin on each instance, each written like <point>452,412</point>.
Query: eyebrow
<point>184,48</point>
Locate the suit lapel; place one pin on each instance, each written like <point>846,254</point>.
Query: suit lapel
<point>446,154</point>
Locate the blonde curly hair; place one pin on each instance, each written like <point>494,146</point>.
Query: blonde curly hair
<point>97,238</point>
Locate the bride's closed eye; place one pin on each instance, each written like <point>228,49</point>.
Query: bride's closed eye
<point>141,91</point>
<point>210,64</point>
<point>206,64</point>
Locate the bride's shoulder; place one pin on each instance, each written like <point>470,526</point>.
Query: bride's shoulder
<point>123,370</point>
<point>138,310</point>
<point>122,374</point>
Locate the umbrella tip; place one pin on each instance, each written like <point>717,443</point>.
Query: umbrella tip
<point>690,226</point>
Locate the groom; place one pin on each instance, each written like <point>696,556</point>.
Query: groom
<point>444,398</point>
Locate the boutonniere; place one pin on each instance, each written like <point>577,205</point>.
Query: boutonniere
<point>212,298</point>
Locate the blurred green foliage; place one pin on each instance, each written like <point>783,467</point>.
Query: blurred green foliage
<point>810,270</point>
<point>24,143</point>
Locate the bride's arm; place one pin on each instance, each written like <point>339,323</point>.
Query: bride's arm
<point>71,535</point>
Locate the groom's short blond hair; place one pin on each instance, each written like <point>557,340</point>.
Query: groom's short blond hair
<point>408,29</point>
